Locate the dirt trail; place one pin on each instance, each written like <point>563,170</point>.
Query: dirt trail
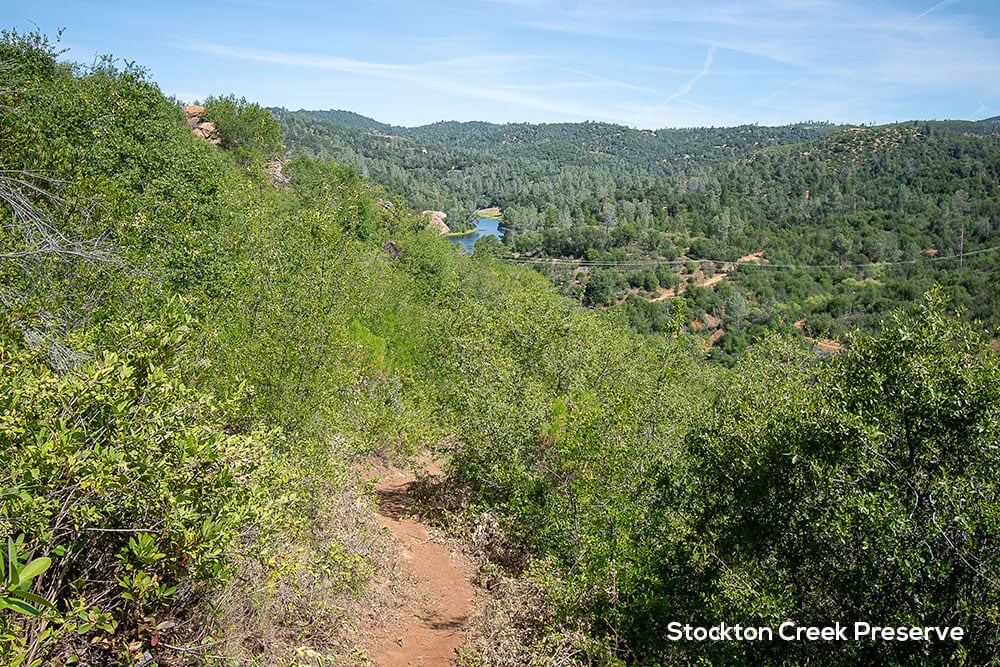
<point>434,609</point>
<point>824,345</point>
<point>666,293</point>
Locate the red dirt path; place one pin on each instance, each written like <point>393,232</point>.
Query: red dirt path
<point>430,623</point>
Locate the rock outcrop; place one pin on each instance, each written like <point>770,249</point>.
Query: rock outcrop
<point>275,175</point>
<point>203,128</point>
<point>437,221</point>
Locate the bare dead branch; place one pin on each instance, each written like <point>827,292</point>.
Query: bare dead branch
<point>17,190</point>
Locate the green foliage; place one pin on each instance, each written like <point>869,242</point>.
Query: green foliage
<point>121,465</point>
<point>666,317</point>
<point>602,286</point>
<point>857,489</point>
<point>26,58</point>
<point>15,592</point>
<point>432,262</point>
<point>147,456</point>
<point>563,418</point>
<point>488,246</point>
<point>245,127</point>
<point>121,182</point>
<point>870,206</point>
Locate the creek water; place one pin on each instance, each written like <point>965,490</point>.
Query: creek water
<point>485,227</point>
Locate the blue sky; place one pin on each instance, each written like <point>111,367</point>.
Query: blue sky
<point>635,62</point>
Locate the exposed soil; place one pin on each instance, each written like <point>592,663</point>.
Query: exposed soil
<point>755,257</point>
<point>701,281</point>
<point>825,345</point>
<point>435,600</point>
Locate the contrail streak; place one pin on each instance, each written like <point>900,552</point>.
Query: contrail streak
<point>705,67</point>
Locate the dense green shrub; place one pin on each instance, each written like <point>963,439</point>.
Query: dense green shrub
<point>564,418</point>
<point>245,127</point>
<point>121,472</point>
<point>856,489</point>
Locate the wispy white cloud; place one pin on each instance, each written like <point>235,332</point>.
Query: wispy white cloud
<point>418,75</point>
<point>614,83</point>
<point>762,101</point>
<point>680,113</point>
<point>940,5</point>
<point>706,66</point>
<point>491,61</point>
<point>346,65</point>
<point>824,36</point>
<point>815,58</point>
<point>875,57</point>
<point>649,63</point>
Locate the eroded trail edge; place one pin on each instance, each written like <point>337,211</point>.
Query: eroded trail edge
<point>436,601</point>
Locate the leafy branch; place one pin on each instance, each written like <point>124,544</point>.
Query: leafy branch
<point>14,591</point>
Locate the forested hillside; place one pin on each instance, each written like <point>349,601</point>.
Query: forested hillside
<point>199,343</point>
<point>844,224</point>
<point>462,167</point>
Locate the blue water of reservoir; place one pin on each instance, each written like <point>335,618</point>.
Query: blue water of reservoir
<point>485,227</point>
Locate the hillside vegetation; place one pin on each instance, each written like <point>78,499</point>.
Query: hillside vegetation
<point>847,223</point>
<point>194,353</point>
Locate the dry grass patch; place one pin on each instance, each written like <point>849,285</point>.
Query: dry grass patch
<point>321,571</point>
